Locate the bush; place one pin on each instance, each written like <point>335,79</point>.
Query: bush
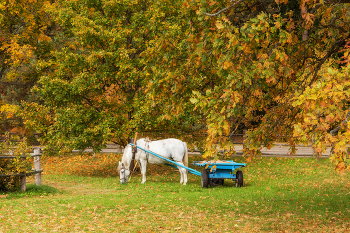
<point>20,162</point>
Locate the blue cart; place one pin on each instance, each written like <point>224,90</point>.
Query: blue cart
<point>214,172</point>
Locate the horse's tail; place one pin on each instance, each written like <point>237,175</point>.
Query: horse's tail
<point>185,158</point>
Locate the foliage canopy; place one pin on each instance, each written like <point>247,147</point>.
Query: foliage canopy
<point>277,68</point>
<point>281,69</point>
<point>97,85</point>
<point>25,38</point>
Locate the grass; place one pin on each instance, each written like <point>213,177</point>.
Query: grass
<point>82,194</point>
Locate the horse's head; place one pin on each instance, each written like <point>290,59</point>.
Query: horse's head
<point>124,173</point>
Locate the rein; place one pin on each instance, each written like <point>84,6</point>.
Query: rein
<point>135,165</point>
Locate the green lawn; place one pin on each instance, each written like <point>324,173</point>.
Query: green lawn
<point>82,194</point>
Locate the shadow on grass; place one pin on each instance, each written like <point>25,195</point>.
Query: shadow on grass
<point>32,191</point>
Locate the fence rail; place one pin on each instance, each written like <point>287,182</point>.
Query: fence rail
<point>33,172</point>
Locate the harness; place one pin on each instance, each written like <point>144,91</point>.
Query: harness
<point>134,150</point>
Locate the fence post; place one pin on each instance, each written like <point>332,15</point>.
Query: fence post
<point>37,166</point>
<point>23,183</point>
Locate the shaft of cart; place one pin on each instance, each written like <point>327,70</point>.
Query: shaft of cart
<point>173,163</point>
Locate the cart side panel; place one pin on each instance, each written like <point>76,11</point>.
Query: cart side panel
<point>222,174</point>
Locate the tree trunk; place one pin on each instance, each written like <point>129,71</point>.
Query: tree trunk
<point>304,12</point>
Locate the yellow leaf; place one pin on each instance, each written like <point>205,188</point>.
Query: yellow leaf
<point>219,24</point>
<point>227,64</point>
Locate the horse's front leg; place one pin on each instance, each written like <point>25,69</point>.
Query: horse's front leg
<point>143,165</point>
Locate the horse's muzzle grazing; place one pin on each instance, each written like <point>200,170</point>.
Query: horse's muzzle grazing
<point>123,178</point>
<point>124,174</point>
<point>123,181</point>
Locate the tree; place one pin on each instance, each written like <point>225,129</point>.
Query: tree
<point>279,68</point>
<point>96,86</point>
<point>275,68</point>
<point>25,30</point>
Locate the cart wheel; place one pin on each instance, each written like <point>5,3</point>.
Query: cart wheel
<point>239,177</point>
<point>205,179</point>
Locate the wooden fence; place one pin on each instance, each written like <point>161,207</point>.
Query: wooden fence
<point>36,171</point>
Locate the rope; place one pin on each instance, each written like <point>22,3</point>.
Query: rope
<point>135,165</point>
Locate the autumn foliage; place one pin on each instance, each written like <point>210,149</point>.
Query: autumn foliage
<point>103,165</point>
<point>198,70</point>
<point>25,40</point>
<point>277,73</point>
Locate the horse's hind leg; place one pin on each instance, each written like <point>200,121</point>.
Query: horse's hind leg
<point>182,176</point>
<point>183,173</point>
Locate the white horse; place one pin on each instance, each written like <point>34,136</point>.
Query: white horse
<point>171,148</point>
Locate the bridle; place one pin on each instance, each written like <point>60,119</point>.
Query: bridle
<point>124,179</point>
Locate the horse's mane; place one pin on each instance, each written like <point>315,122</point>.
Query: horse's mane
<point>127,157</point>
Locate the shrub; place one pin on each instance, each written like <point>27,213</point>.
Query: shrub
<point>19,161</point>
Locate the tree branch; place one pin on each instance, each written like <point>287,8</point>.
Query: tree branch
<point>335,48</point>
<point>225,9</point>
<point>334,131</point>
<point>336,1</point>
<point>5,83</point>
<point>91,104</point>
<point>333,26</point>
